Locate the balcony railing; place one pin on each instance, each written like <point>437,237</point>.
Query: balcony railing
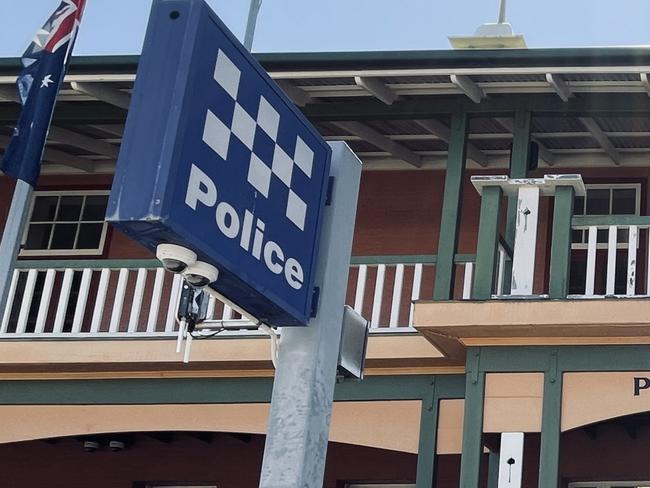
<point>137,298</point>
<point>591,256</point>
<point>616,245</point>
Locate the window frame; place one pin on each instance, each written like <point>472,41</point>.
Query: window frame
<point>609,186</point>
<point>64,252</point>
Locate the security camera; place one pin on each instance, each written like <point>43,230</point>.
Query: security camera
<point>91,446</point>
<point>175,258</point>
<point>200,274</point>
<point>116,446</point>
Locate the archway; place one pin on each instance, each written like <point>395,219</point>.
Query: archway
<point>607,454</point>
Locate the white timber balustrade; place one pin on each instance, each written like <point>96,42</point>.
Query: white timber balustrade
<point>137,298</point>
<point>384,288</point>
<point>614,244</point>
<point>95,298</point>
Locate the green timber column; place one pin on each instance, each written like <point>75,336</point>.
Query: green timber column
<point>561,242</point>
<point>518,169</point>
<point>549,455</point>
<point>470,462</point>
<point>493,470</point>
<point>451,208</point>
<point>486,249</point>
<point>428,434</point>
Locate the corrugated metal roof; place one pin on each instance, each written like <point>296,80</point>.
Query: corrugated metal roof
<point>329,77</point>
<point>600,77</point>
<point>398,80</point>
<point>393,127</point>
<point>325,82</point>
<point>624,124</point>
<point>631,142</point>
<point>508,78</point>
<point>425,145</point>
<point>362,146</point>
<point>571,143</point>
<point>556,124</point>
<point>493,144</point>
<point>328,129</point>
<point>485,125</point>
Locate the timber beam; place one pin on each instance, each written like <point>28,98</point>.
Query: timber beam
<point>297,95</point>
<point>377,88</point>
<point>9,93</point>
<point>443,132</point>
<point>59,157</point>
<point>645,82</point>
<point>103,92</point>
<point>468,87</point>
<point>71,138</point>
<point>381,141</point>
<point>560,86</point>
<point>601,138</point>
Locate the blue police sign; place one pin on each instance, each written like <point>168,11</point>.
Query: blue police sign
<point>217,159</point>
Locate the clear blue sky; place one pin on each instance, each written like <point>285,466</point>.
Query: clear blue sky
<point>117,26</point>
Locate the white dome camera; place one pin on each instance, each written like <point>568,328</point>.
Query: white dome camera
<point>175,258</point>
<point>91,446</point>
<point>200,274</point>
<point>116,446</point>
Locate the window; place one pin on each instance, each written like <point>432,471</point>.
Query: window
<point>66,223</point>
<point>615,199</point>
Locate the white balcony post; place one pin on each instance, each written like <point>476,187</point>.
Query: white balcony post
<point>523,259</point>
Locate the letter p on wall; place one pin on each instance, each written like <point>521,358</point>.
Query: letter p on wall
<point>640,383</point>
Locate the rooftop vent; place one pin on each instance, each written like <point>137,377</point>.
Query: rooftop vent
<point>497,35</point>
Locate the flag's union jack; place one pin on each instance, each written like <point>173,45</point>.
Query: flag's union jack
<point>44,66</point>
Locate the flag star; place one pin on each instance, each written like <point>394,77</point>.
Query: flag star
<point>46,81</point>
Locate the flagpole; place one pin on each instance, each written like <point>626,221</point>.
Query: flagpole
<point>56,30</point>
<point>11,239</point>
<point>252,22</point>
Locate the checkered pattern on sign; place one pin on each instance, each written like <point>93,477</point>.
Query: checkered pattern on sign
<point>218,136</point>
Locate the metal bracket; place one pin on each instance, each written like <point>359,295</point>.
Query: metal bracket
<point>553,367</point>
<point>330,190</point>
<point>475,367</point>
<point>314,301</point>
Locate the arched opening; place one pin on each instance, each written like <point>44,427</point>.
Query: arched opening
<point>181,459</point>
<point>610,454</point>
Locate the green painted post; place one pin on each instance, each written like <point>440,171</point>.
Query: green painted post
<point>470,463</point>
<point>488,234</point>
<point>451,208</point>
<point>493,470</point>
<point>561,242</point>
<point>549,456</point>
<point>518,169</point>
<point>427,442</point>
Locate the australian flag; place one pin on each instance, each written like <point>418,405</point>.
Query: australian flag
<point>44,65</point>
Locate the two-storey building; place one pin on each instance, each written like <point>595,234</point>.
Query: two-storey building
<point>501,254</point>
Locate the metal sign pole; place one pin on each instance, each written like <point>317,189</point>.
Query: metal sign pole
<point>303,389</point>
<point>12,237</point>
